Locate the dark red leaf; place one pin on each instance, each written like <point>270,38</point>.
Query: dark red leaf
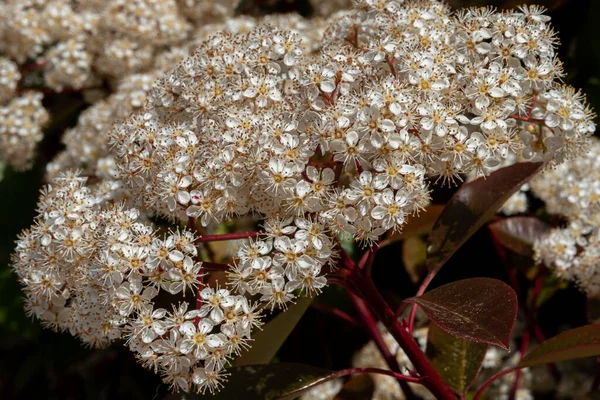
<point>479,309</point>
<point>575,343</point>
<point>470,207</point>
<point>265,382</point>
<point>519,233</point>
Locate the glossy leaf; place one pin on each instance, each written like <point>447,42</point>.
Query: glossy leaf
<point>265,382</point>
<point>470,207</point>
<point>458,361</point>
<point>267,342</point>
<point>519,234</point>
<point>479,309</point>
<point>575,343</point>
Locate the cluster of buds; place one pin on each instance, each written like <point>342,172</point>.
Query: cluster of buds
<point>572,190</point>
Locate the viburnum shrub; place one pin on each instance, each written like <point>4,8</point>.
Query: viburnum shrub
<point>306,145</point>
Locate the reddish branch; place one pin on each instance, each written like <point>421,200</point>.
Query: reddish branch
<point>362,285</point>
<point>226,236</point>
<point>491,380</point>
<point>336,312</point>
<point>413,310</point>
<point>370,325</point>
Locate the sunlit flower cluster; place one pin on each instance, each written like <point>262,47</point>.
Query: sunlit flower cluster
<point>96,269</point>
<point>315,130</point>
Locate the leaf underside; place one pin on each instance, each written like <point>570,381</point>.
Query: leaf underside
<point>458,361</point>
<point>575,343</point>
<point>519,233</point>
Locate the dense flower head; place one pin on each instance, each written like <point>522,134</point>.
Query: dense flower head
<point>60,45</point>
<point>21,123</point>
<point>317,131</point>
<point>572,190</point>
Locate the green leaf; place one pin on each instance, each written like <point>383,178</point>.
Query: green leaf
<point>519,234</point>
<point>2,168</point>
<point>283,381</point>
<point>458,361</point>
<point>470,207</point>
<point>358,387</point>
<point>480,310</point>
<point>267,342</point>
<point>575,343</point>
<point>414,251</point>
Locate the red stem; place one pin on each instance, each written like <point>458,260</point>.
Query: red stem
<point>396,375</point>
<point>412,350</point>
<point>492,379</point>
<point>226,236</point>
<point>336,312</point>
<point>413,310</point>
<point>211,266</point>
<point>370,324</point>
<point>33,66</point>
<point>515,385</point>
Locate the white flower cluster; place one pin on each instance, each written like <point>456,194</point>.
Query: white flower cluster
<point>22,117</point>
<point>81,42</point>
<point>289,258</point>
<point>87,146</point>
<point>87,143</point>
<point>56,45</point>
<point>21,122</point>
<point>572,190</point>
<point>9,79</point>
<point>97,270</point>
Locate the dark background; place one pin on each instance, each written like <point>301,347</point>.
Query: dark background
<point>39,364</point>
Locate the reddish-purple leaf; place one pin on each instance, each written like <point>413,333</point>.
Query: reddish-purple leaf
<point>575,343</point>
<point>470,207</point>
<point>265,382</point>
<point>519,233</point>
<point>481,310</point>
